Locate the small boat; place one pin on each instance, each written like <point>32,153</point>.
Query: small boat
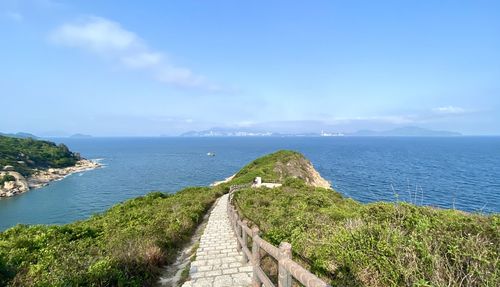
<point>210,154</point>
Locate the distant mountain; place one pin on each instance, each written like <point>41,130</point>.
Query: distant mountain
<point>246,132</point>
<point>80,136</point>
<point>250,132</point>
<point>226,132</point>
<point>20,135</point>
<point>406,132</point>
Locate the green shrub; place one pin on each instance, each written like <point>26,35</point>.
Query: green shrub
<point>378,244</point>
<point>265,167</point>
<point>6,178</point>
<point>124,246</point>
<point>34,154</point>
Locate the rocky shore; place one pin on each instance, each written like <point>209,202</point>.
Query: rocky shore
<point>41,177</point>
<point>228,179</point>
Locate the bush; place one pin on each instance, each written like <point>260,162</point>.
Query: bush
<point>6,178</point>
<point>35,154</point>
<point>124,246</point>
<point>377,244</point>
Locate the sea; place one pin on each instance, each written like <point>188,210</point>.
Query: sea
<point>447,172</point>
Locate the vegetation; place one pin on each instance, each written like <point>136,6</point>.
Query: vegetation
<point>125,246</point>
<point>378,244</point>
<point>26,154</point>
<point>6,178</point>
<point>274,167</point>
<point>341,240</point>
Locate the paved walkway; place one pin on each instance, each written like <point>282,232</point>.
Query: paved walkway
<point>218,263</point>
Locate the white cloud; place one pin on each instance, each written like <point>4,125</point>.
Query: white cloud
<point>109,39</point>
<point>449,110</point>
<point>180,76</point>
<point>96,34</point>
<point>142,60</point>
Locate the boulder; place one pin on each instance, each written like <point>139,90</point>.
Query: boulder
<point>9,185</point>
<point>8,168</point>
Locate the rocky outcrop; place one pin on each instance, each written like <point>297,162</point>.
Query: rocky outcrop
<point>11,188</point>
<point>300,167</point>
<point>41,178</point>
<point>276,168</point>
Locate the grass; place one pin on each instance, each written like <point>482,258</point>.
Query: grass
<point>343,241</point>
<point>6,178</point>
<point>269,167</point>
<point>378,244</point>
<point>125,246</point>
<point>25,155</point>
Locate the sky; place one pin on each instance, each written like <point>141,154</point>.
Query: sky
<point>149,68</point>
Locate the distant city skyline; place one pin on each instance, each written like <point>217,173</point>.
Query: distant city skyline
<point>112,68</point>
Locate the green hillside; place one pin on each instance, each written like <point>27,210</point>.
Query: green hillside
<point>125,246</point>
<point>378,244</point>
<point>343,241</point>
<point>26,154</point>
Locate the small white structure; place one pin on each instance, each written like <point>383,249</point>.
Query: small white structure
<point>257,182</point>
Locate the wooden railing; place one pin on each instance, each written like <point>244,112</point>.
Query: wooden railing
<point>287,268</point>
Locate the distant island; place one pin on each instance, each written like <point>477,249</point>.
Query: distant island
<point>406,132</point>
<point>80,136</point>
<point>397,132</point>
<point>227,132</point>
<point>234,132</point>
<point>27,163</point>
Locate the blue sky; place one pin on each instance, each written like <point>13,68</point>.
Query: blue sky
<point>111,68</point>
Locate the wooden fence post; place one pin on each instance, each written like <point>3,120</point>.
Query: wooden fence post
<point>284,277</point>
<point>238,234</point>
<point>234,222</point>
<point>245,239</point>
<point>256,258</point>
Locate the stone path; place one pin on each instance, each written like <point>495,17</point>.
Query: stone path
<point>218,263</point>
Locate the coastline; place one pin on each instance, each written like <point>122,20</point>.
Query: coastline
<point>43,177</point>
<point>227,179</point>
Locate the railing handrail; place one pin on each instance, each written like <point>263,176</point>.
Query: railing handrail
<point>287,268</point>
<point>236,187</point>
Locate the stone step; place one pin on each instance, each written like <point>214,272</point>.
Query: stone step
<point>218,262</point>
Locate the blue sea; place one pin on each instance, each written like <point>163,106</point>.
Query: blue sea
<point>456,172</point>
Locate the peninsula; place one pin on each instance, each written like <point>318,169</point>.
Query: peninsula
<point>27,163</point>
<point>341,241</point>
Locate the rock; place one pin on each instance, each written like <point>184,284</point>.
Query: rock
<point>41,177</point>
<point>8,168</point>
<point>9,185</point>
<point>11,188</point>
<point>302,168</point>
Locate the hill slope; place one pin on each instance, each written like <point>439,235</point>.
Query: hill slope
<point>377,244</point>
<point>279,166</point>
<point>27,154</point>
<point>124,246</point>
<point>344,241</point>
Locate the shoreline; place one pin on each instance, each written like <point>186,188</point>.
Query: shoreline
<point>43,177</point>
<point>227,179</point>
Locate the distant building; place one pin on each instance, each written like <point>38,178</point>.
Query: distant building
<point>326,134</point>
